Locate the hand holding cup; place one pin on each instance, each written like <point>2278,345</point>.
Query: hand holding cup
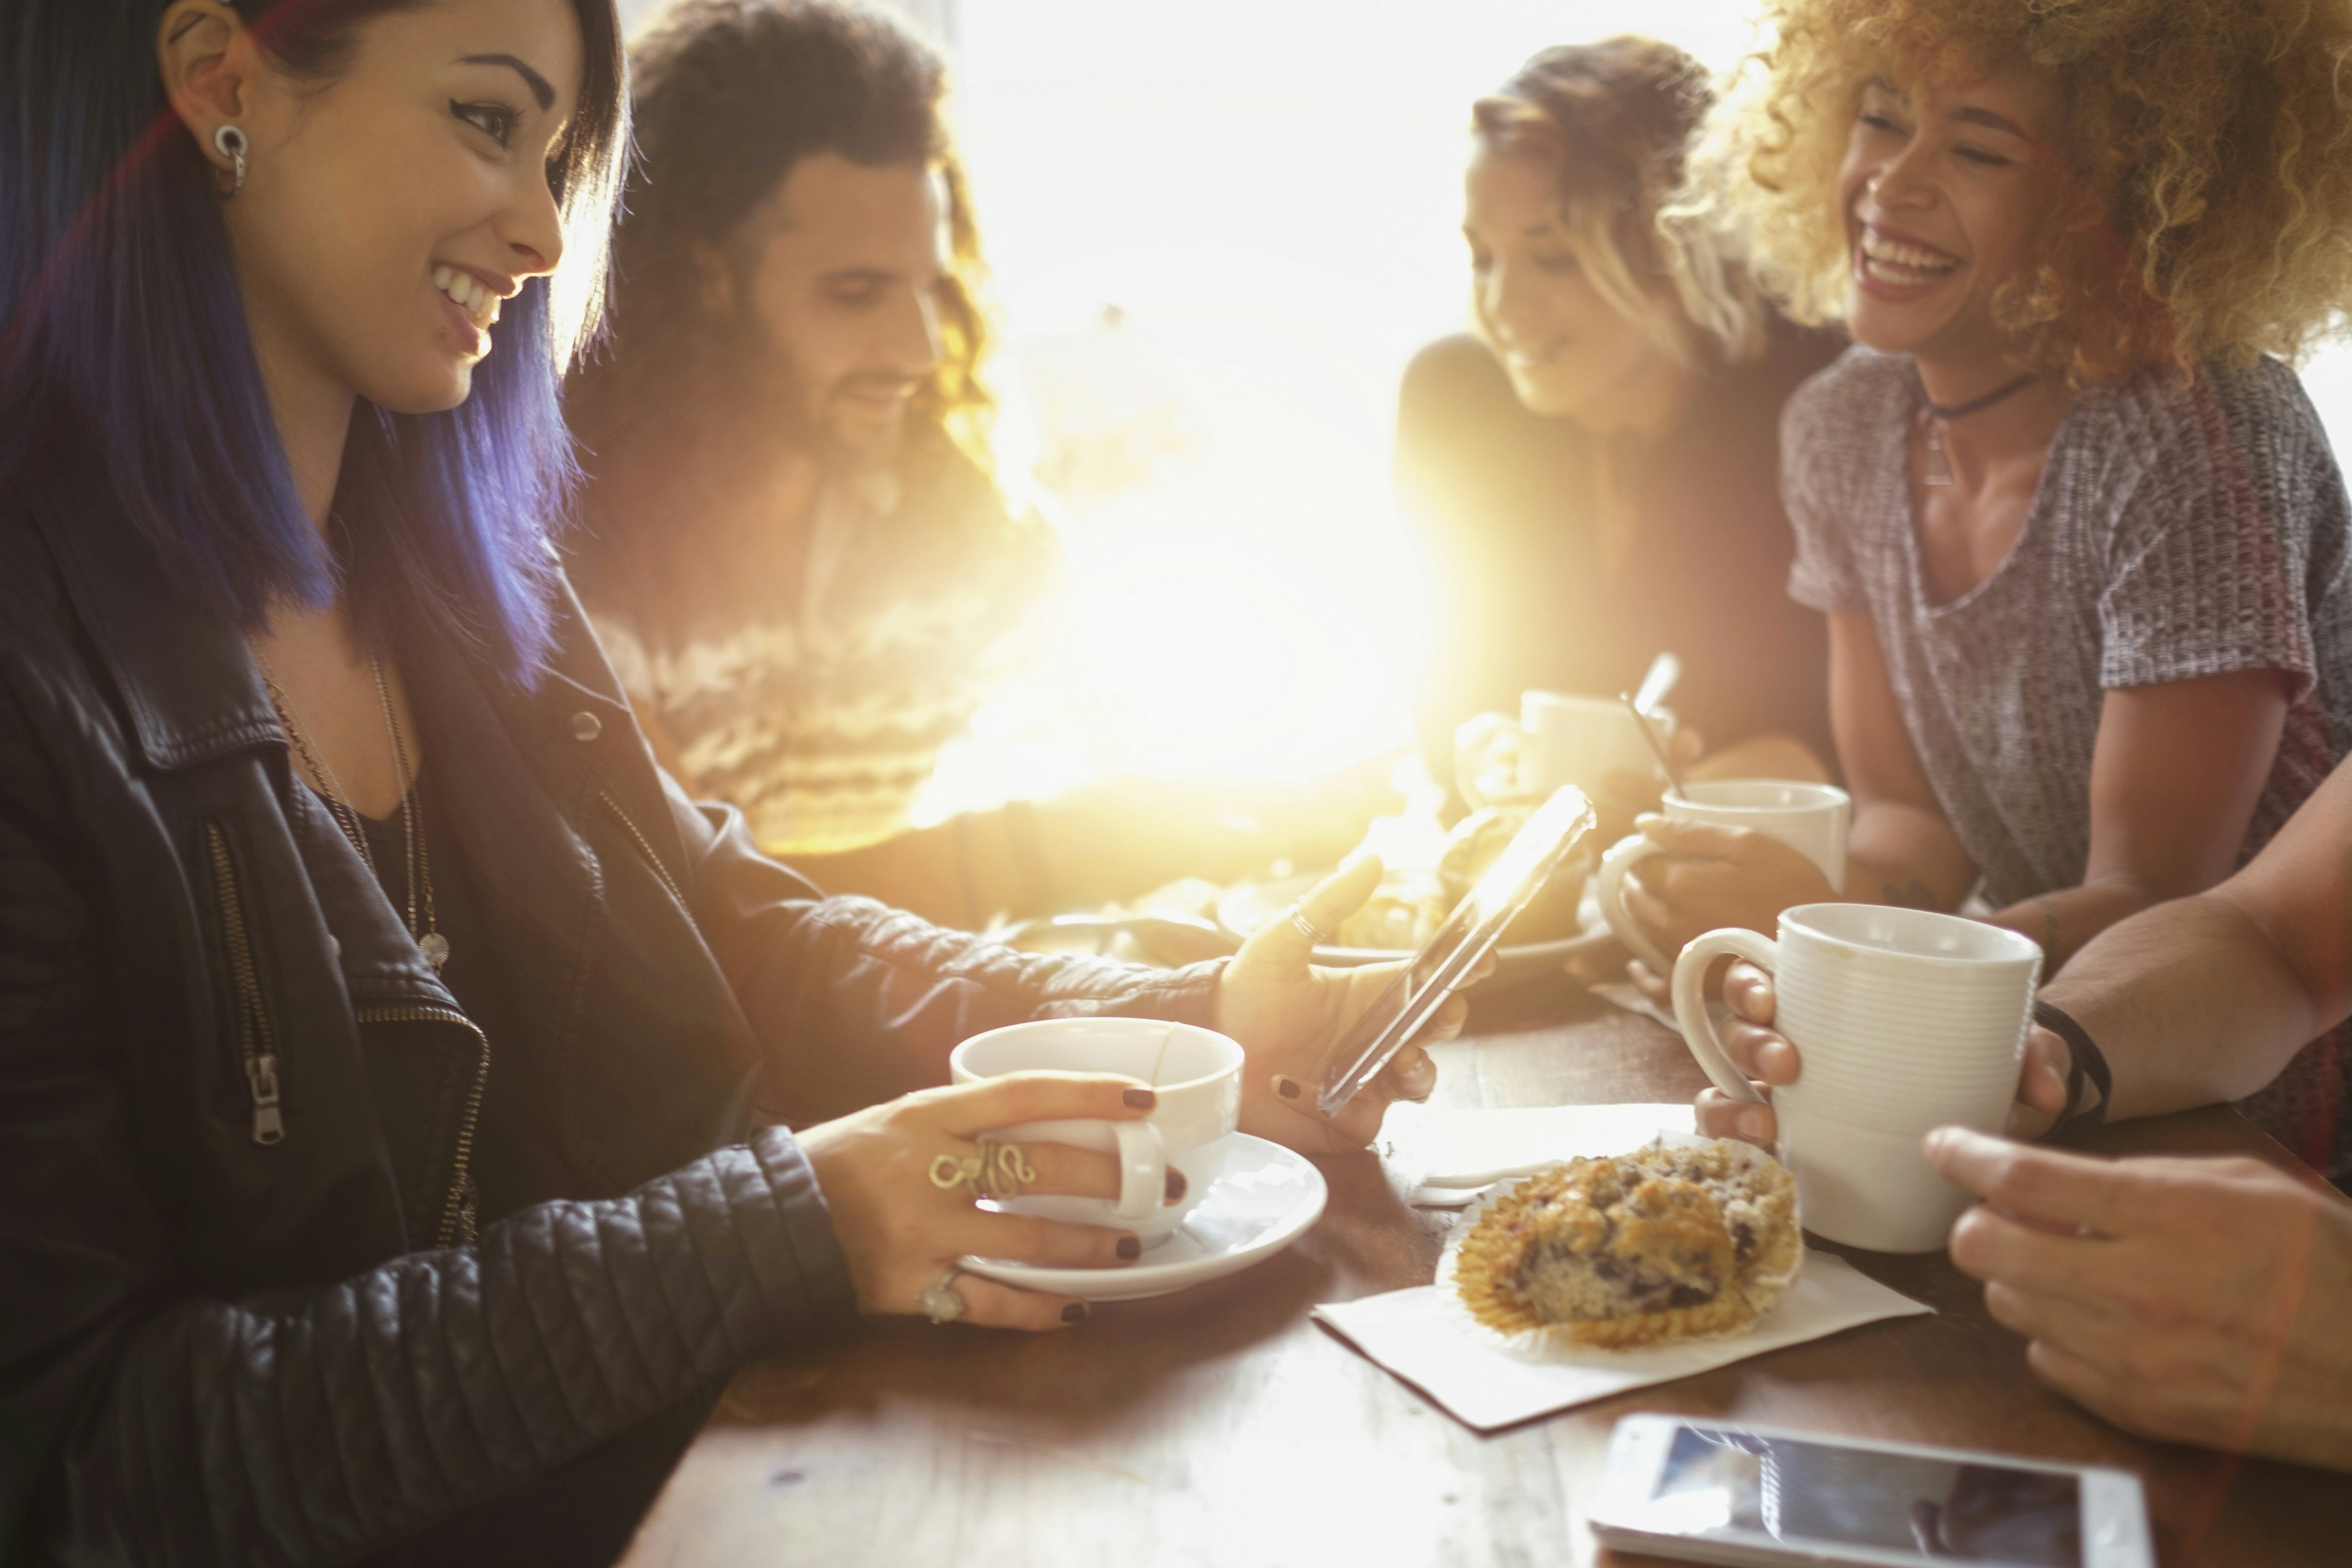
<point>1725,852</point>
<point>1909,1020</point>
<point>902,1232</point>
<point>1770,1061</point>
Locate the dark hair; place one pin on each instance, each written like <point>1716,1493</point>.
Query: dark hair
<point>118,300</point>
<point>1614,118</point>
<point>730,94</point>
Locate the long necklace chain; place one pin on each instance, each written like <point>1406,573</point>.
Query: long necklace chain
<point>417,868</point>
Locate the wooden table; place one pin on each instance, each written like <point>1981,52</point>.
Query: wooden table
<point>1222,1426</point>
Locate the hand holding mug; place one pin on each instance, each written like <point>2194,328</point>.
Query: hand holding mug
<point>1909,1020</point>
<point>1725,852</point>
<point>902,1231</point>
<point>1770,1060</point>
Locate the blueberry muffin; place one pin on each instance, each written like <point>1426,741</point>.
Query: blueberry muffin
<point>1675,1241</point>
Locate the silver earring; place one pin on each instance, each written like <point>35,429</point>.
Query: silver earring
<point>229,141</point>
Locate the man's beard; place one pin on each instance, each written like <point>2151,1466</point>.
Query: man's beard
<point>776,400</point>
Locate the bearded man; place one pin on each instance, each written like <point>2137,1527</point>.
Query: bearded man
<point>795,544</point>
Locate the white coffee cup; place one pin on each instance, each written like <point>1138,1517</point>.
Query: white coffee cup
<point>1558,740</point>
<point>1196,1073</point>
<point>1811,818</point>
<point>1903,1021</point>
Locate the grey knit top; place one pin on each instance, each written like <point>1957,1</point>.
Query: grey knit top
<point>2181,528</point>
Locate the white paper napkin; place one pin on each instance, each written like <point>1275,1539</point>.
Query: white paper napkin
<point>1415,1335</point>
<point>1452,1155</point>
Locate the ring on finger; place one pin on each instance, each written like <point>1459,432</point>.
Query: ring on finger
<point>942,1303</point>
<point>1315,934</point>
<point>999,1171</point>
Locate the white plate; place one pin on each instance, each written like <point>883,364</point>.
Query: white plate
<point>1259,1197</point>
<point>1248,905</point>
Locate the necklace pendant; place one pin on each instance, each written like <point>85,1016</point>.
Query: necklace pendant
<point>1938,469</point>
<point>435,948</point>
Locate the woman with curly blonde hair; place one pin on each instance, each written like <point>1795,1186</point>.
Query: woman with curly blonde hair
<point>2079,535</point>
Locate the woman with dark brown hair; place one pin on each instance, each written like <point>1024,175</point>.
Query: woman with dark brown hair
<point>1597,466</point>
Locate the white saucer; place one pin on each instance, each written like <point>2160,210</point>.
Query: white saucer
<point>1259,1198</point>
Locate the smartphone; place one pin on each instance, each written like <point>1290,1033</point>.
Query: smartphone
<point>1444,965</point>
<point>1717,1492</point>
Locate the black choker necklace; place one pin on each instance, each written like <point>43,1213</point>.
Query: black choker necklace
<point>1934,416</point>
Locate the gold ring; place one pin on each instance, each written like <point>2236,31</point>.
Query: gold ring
<point>999,1171</point>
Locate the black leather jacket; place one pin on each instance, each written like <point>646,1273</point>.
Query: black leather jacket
<point>243,1317</point>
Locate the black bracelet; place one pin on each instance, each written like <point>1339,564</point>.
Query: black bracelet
<point>2088,1064</point>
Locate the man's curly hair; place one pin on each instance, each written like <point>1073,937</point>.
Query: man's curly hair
<point>2207,146</point>
<point>675,417</point>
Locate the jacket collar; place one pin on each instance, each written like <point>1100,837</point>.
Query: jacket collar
<point>188,684</point>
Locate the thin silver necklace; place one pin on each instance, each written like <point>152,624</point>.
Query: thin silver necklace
<point>418,869</point>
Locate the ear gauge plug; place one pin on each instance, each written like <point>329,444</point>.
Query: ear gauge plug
<point>229,143</point>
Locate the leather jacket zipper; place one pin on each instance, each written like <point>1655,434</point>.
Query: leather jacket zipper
<point>255,1040</point>
<point>459,1226</point>
<point>645,844</point>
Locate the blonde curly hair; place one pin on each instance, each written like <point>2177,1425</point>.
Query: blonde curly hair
<point>2208,144</point>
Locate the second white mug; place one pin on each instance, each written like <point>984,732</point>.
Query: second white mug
<point>1811,818</point>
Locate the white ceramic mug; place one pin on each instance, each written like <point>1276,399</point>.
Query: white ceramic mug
<point>1811,818</point>
<point>1196,1072</point>
<point>1903,1021</point>
<point>1558,740</point>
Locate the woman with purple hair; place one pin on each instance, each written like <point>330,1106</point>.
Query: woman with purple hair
<point>394,1066</point>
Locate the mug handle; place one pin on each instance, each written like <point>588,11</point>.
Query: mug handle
<point>1142,1158</point>
<point>1143,1169</point>
<point>1480,745</point>
<point>1690,1002</point>
<point>1610,890</point>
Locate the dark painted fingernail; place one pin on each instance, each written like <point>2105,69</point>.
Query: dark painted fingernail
<point>1175,1186</point>
<point>1076,1312</point>
<point>1131,1247</point>
<point>1285,1086</point>
<point>1140,1098</point>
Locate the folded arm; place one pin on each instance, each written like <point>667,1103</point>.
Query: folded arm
<point>2207,998</point>
<point>2176,773</point>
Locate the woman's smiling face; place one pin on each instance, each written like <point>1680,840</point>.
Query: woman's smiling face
<point>387,212</point>
<point>1945,191</point>
<point>1567,352</point>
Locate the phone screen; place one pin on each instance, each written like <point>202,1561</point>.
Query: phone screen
<point>1542,845</point>
<point>1728,1483</point>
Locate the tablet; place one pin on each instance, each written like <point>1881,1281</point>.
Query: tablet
<point>1446,959</point>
